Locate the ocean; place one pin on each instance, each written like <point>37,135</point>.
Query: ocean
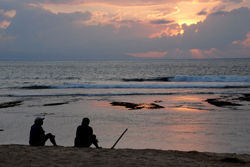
<point>169,98</point>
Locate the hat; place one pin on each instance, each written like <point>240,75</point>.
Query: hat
<point>39,119</point>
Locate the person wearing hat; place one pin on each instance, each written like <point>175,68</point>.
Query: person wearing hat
<point>37,135</point>
<point>84,135</point>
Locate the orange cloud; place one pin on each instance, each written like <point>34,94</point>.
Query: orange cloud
<point>118,3</point>
<point>246,43</point>
<point>11,13</point>
<point>174,30</point>
<point>4,24</point>
<point>196,53</point>
<point>149,54</point>
<point>161,13</point>
<point>211,53</point>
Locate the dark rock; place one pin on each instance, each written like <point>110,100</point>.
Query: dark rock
<point>136,106</point>
<point>220,103</point>
<point>55,104</point>
<point>10,104</point>
<point>233,160</point>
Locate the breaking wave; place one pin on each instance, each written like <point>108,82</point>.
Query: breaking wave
<point>187,78</point>
<point>144,86</point>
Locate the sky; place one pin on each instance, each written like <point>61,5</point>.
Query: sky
<point>124,29</point>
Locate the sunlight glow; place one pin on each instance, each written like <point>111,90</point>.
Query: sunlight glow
<point>197,54</point>
<point>187,109</point>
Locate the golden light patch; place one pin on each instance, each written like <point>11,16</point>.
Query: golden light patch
<point>187,109</point>
<point>188,21</point>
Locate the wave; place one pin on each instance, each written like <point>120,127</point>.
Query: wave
<point>159,79</point>
<point>143,86</point>
<point>37,87</point>
<point>117,94</point>
<point>103,94</point>
<point>187,78</point>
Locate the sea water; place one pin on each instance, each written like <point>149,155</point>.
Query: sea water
<point>65,92</point>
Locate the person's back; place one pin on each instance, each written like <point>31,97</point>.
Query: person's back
<point>36,134</point>
<point>84,135</point>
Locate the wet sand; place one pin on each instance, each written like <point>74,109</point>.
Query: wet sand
<point>185,123</point>
<point>24,155</point>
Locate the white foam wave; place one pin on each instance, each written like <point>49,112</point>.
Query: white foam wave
<point>152,86</point>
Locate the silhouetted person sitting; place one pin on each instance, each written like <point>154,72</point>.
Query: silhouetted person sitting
<point>37,135</point>
<point>85,136</point>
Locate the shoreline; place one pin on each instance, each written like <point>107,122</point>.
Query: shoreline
<point>25,155</point>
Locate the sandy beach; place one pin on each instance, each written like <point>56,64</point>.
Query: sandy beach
<point>203,114</point>
<point>24,155</point>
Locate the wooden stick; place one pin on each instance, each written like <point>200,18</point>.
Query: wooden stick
<point>119,139</point>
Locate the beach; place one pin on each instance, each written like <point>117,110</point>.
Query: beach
<point>185,123</point>
<point>164,107</point>
<point>24,155</point>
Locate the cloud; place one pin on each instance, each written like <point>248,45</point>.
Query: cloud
<point>36,19</point>
<point>217,31</point>
<point>112,2</point>
<point>235,1</point>
<point>34,29</point>
<point>163,12</point>
<point>2,16</point>
<point>127,22</point>
<point>161,21</point>
<point>10,4</point>
<point>202,12</point>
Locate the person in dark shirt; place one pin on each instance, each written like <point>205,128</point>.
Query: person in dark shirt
<point>84,135</point>
<point>37,134</point>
